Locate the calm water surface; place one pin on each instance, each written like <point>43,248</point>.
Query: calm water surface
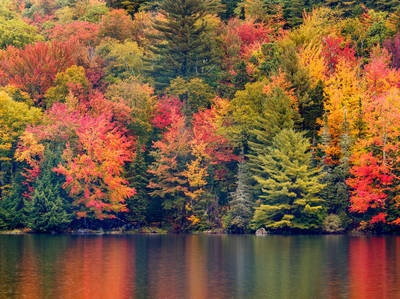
<point>194,266</point>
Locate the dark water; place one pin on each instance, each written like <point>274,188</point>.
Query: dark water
<point>193,266</point>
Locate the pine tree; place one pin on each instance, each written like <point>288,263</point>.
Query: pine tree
<point>239,216</point>
<point>181,48</point>
<point>290,186</point>
<point>277,115</point>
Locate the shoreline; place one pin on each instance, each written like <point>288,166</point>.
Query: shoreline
<point>164,232</point>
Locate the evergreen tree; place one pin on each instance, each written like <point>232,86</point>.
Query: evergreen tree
<point>290,186</point>
<point>181,47</point>
<point>310,99</point>
<point>277,115</point>
<point>242,77</point>
<point>347,8</point>
<point>311,109</point>
<point>229,7</point>
<point>139,178</point>
<point>336,192</point>
<point>49,208</point>
<point>383,5</point>
<point>293,12</point>
<point>239,216</point>
<point>12,206</point>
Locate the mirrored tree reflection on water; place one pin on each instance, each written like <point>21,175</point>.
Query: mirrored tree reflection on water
<point>199,266</point>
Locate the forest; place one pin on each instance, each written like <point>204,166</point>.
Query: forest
<point>200,115</point>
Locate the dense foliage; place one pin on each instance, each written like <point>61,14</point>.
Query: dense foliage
<point>200,115</point>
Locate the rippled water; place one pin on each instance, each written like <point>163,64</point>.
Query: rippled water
<point>199,266</point>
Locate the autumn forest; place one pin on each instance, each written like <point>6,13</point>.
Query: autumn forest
<point>200,115</point>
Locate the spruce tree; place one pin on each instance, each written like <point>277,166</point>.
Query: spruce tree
<point>310,98</point>
<point>347,8</point>
<point>49,208</point>
<point>239,216</point>
<point>180,46</point>
<point>293,12</point>
<point>336,192</point>
<point>228,10</point>
<point>139,178</point>
<point>290,186</point>
<point>311,109</point>
<point>383,5</point>
<point>12,206</point>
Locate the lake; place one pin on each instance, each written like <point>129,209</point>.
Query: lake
<point>199,266</point>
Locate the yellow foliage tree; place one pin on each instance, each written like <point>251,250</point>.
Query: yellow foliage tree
<point>343,95</point>
<point>14,117</point>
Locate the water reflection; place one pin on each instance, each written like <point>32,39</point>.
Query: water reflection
<point>178,266</point>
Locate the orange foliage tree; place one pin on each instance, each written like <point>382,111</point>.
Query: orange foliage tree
<point>95,150</point>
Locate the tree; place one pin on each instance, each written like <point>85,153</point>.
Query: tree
<point>343,92</point>
<point>195,94</point>
<point>290,187</point>
<point>14,118</point>
<point>179,46</point>
<point>278,114</point>
<point>50,208</point>
<point>138,178</point>
<point>337,192</point>
<point>72,80</point>
<point>170,157</point>
<point>142,104</point>
<point>393,47</point>
<point>375,162</point>
<point>384,5</point>
<point>293,12</point>
<point>117,25</point>
<point>208,136</point>
<point>131,6</point>
<point>335,49</point>
<point>15,32</point>
<point>246,106</point>
<point>82,10</point>
<point>84,32</point>
<point>93,171</point>
<point>347,8</point>
<point>33,69</point>
<point>94,150</point>
<point>308,95</point>
<point>123,60</point>
<point>229,7</point>
<point>242,41</point>
<point>238,218</point>
<point>370,183</point>
<point>210,150</point>
<point>269,11</point>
